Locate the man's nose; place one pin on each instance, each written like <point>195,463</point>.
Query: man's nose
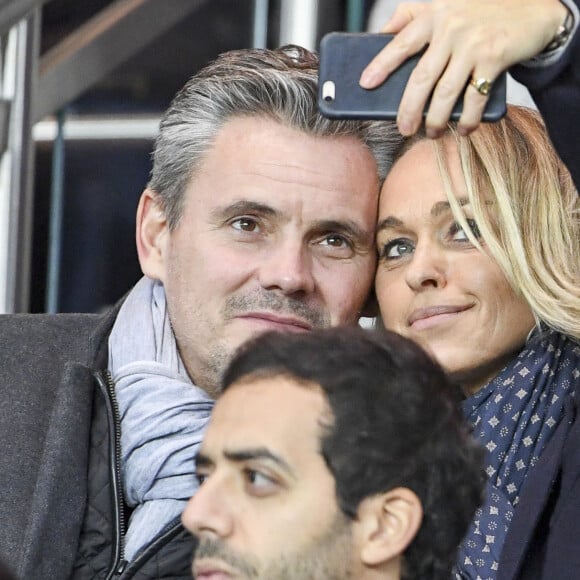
<point>288,267</point>
<point>206,513</point>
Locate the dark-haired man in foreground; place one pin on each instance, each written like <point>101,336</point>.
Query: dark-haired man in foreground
<point>338,454</point>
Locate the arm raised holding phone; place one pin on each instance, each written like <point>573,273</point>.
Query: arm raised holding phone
<point>467,42</point>
<point>472,42</point>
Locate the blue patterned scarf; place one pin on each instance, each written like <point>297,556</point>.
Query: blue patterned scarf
<point>514,417</point>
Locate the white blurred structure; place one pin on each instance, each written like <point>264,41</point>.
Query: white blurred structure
<point>299,22</point>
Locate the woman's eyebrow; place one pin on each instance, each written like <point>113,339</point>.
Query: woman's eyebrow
<point>444,206</point>
<point>438,208</point>
<point>389,222</point>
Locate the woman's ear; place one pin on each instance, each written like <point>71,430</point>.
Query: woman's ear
<point>152,235</point>
<point>388,523</point>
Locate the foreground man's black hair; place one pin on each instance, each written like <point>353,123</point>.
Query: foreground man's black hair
<point>395,422</point>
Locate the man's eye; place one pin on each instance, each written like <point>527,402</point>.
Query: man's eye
<point>397,249</point>
<point>336,245</point>
<point>335,241</point>
<point>201,478</point>
<point>259,483</point>
<point>458,234</point>
<point>245,224</point>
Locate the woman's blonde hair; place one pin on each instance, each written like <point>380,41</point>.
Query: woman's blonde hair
<point>527,210</point>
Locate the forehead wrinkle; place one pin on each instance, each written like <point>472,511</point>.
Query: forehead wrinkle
<point>294,177</point>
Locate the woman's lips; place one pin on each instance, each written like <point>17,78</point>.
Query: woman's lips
<point>432,315</point>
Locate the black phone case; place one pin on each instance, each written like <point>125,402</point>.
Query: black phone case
<point>343,57</point>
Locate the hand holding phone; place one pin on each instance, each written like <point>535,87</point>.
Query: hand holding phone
<point>343,57</point>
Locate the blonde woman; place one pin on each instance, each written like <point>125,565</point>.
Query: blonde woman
<point>478,242</point>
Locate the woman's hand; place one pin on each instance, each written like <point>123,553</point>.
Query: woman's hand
<point>468,39</point>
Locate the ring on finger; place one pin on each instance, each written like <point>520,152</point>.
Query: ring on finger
<point>481,85</point>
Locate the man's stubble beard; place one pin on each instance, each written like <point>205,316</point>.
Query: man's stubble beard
<point>325,557</point>
<point>208,371</point>
<point>204,370</point>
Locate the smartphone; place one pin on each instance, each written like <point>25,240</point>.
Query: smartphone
<point>343,57</point>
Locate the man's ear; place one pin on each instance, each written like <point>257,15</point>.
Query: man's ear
<point>388,523</point>
<point>152,235</point>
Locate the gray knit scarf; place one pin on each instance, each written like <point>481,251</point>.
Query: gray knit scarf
<point>163,415</point>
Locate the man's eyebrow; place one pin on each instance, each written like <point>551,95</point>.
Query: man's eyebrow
<point>348,227</point>
<point>251,453</point>
<point>243,207</point>
<point>203,460</point>
<point>439,208</point>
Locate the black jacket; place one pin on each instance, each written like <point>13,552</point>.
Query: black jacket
<point>542,541</point>
<point>61,509</point>
<point>556,91</point>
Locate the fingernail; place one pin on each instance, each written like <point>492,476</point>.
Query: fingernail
<point>368,78</point>
<point>405,127</point>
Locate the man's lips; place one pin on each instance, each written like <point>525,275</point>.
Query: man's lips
<point>212,570</point>
<point>274,320</point>
<point>423,316</point>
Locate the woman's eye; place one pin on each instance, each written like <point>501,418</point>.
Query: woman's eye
<point>397,249</point>
<point>458,234</point>
<point>245,224</point>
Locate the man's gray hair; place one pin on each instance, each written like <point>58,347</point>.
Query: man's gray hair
<point>279,84</point>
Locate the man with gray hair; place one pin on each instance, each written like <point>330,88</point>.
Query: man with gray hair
<point>259,215</point>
